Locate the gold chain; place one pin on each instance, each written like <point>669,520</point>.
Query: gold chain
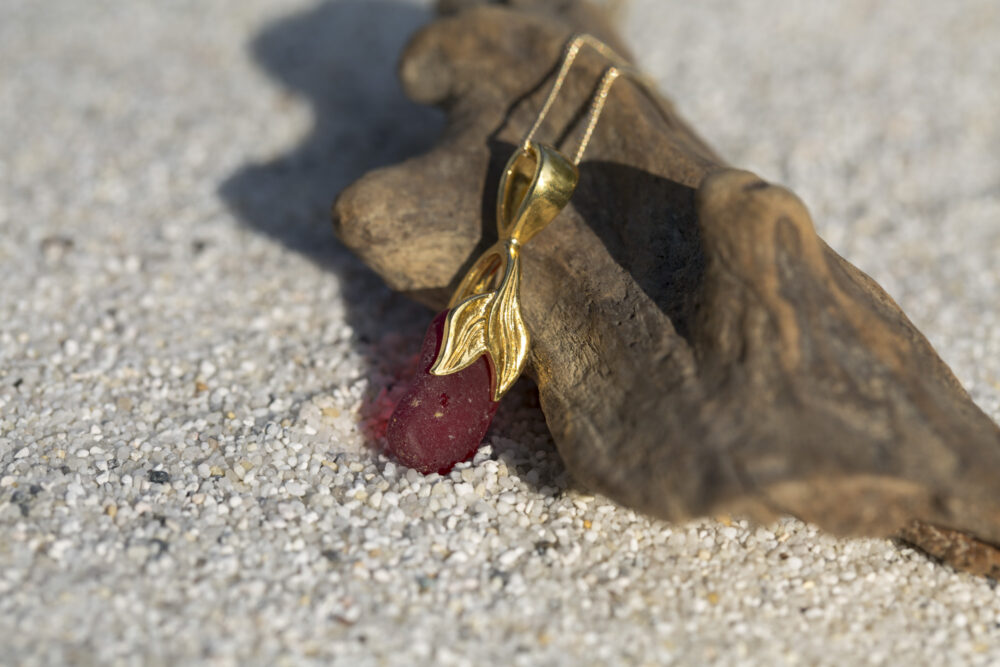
<point>620,67</point>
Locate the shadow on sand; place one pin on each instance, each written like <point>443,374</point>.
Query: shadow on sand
<point>341,56</point>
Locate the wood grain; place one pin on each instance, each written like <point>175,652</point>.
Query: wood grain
<point>698,348</point>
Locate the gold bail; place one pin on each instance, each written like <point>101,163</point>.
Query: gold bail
<point>536,185</point>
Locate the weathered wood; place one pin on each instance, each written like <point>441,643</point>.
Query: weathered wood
<point>963,551</point>
<point>698,348</point>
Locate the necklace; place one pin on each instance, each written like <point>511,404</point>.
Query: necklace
<point>475,350</point>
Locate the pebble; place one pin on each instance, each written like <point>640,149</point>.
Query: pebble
<point>296,488</point>
<point>159,476</point>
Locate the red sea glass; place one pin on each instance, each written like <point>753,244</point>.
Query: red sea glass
<point>441,419</point>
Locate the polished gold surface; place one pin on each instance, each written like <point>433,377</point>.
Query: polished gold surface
<point>537,183</point>
<point>485,316</point>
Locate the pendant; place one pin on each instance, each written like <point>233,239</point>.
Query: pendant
<point>475,351</point>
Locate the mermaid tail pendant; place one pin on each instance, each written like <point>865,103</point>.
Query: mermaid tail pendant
<point>485,310</point>
<point>475,351</point>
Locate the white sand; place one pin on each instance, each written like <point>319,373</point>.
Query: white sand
<point>172,300</point>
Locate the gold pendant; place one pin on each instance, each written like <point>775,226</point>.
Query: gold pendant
<point>485,310</point>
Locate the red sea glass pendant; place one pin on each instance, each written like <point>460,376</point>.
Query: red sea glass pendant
<point>441,419</point>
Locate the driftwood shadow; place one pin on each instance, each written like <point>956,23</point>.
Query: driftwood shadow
<point>666,260</point>
<point>341,57</point>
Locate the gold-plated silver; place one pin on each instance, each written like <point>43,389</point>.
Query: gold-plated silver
<point>485,315</point>
<point>537,183</point>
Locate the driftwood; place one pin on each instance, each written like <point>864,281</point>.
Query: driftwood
<point>697,347</point>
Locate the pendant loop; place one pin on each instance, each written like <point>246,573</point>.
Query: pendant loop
<point>537,183</point>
